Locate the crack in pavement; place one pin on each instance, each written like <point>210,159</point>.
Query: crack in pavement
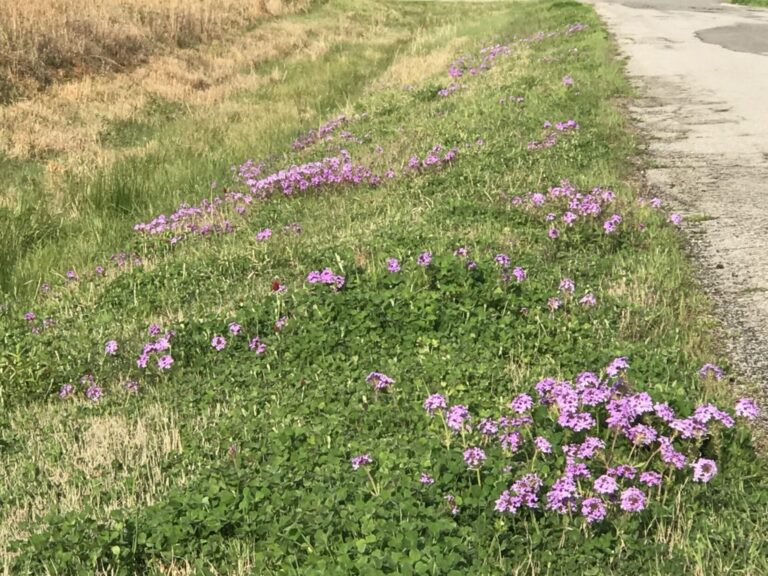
<point>702,75</point>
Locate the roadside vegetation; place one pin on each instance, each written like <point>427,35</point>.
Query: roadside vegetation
<point>402,309</point>
<point>761,3</point>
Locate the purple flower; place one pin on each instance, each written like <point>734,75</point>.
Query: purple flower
<point>676,219</point>
<point>562,496</point>
<point>29,316</point>
<point>616,366</point>
<point>361,460</point>
<point>263,234</point>
<point>502,260</point>
<point>650,478</point>
<point>588,300</point>
<point>426,479</point>
<point>66,391</point>
<point>688,428</point>
<point>664,412</point>
<point>577,470</point>
<point>326,277</point>
<point>234,328</point>
<point>424,259</point>
<point>71,275</point>
<point>393,265</point>
<point>521,403</point>
<point>554,303</point>
<point>451,501</point>
<point>280,323</point>
<point>669,455</point>
<point>165,362</point>
<point>93,392</point>
<point>99,270</point>
<point>474,457</point>
<point>257,345</point>
<point>379,381</point>
<point>711,370</point>
<point>553,233</point>
<point>218,342</point>
<point>131,386</point>
<point>567,81</point>
<point>632,500</point>
<point>642,435</point>
<point>519,274</point>
<point>511,441</point>
<point>567,285</point>
<point>605,484</point>
<point>456,417</point>
<point>434,402</point>
<point>589,447</point>
<point>154,330</point>
<point>593,509</point>
<point>704,470</point>
<point>110,348</point>
<point>461,251</point>
<point>610,225</point>
<point>746,408</point>
<point>542,445</point>
<point>623,471</point>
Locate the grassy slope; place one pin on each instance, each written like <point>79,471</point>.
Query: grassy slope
<point>180,149</point>
<point>287,501</point>
<point>751,2</point>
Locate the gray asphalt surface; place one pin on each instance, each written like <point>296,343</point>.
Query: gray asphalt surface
<point>701,69</point>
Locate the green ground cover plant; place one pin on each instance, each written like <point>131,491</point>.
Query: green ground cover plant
<point>761,3</point>
<point>439,332</point>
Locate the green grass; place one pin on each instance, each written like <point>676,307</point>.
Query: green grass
<point>237,463</point>
<point>192,147</point>
<point>761,3</point>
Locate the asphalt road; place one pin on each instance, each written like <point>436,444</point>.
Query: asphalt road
<point>701,69</point>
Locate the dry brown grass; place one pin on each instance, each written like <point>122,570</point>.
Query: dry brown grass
<point>42,41</point>
<point>107,450</point>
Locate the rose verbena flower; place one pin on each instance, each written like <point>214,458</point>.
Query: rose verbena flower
<point>474,457</point>
<point>361,460</point>
<point>379,381</point>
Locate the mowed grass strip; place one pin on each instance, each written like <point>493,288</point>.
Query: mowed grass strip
<point>239,462</point>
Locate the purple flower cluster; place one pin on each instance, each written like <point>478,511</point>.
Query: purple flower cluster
<point>550,139</point>
<point>218,343</point>
<point>324,132</point>
<point>589,483</point>
<point>161,345</point>
<point>566,204</point>
<point>435,158</point>
<point>379,381</point>
<point>474,457</point>
<point>434,402</point>
<point>711,370</point>
<point>448,90</point>
<point>480,63</point>
<point>94,393</point>
<point>523,492</point>
<point>257,345</point>
<point>328,277</point>
<point>361,460</point>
